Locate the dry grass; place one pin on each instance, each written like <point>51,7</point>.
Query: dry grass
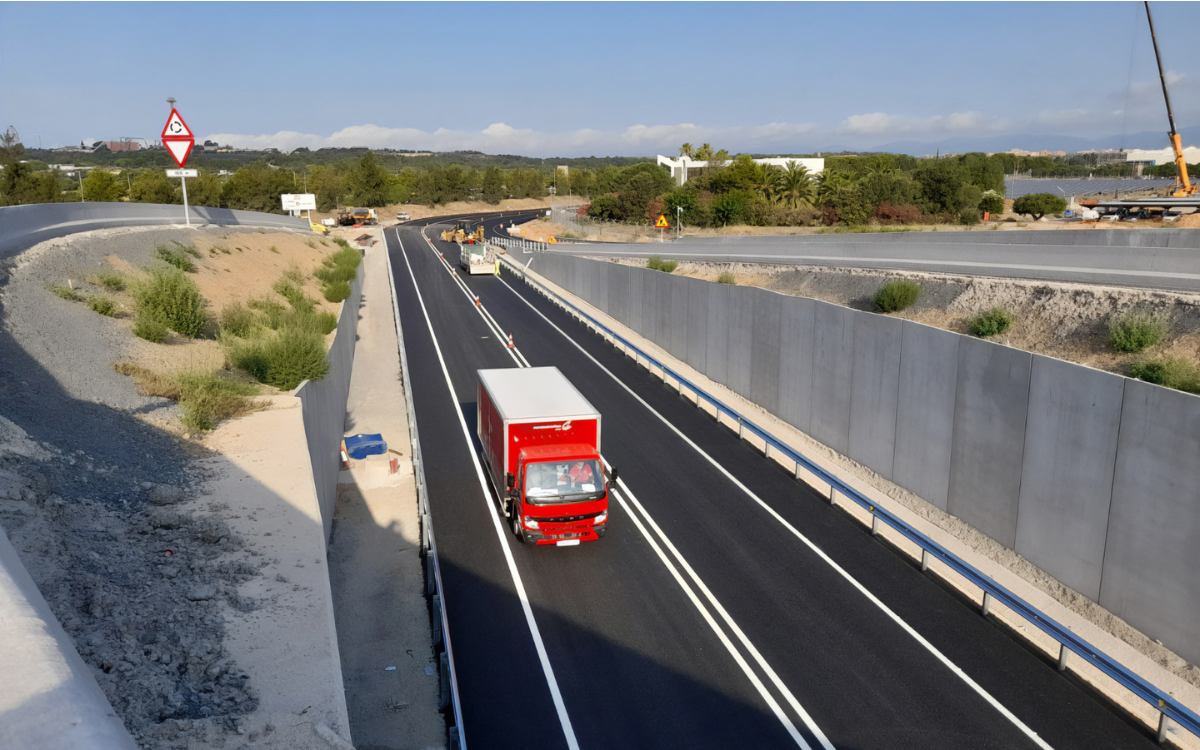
<point>206,398</point>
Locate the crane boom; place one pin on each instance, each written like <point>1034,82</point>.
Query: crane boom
<point>1184,186</point>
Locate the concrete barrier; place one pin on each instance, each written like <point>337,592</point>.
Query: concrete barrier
<point>323,403</point>
<point>49,699</point>
<point>22,227</point>
<point>1089,475</point>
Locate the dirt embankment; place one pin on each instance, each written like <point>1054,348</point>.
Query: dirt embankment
<point>1066,321</point>
<point>120,522</point>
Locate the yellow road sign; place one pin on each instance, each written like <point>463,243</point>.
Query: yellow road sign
<point>662,223</point>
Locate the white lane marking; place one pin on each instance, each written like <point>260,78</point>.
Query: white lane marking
<point>450,664</point>
<point>741,662</point>
<point>487,318</point>
<point>543,657</point>
<point>808,542</point>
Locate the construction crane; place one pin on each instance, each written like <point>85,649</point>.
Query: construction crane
<point>1183,186</point>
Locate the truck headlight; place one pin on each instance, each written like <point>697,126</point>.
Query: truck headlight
<point>529,522</point>
<point>602,518</point>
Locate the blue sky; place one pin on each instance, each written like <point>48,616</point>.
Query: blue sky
<point>577,79</point>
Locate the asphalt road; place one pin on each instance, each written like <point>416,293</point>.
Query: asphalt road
<point>1145,258</point>
<point>729,606</point>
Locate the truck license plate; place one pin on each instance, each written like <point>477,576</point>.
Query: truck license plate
<point>567,543</point>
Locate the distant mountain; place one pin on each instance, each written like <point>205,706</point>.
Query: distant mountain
<point>1149,139</point>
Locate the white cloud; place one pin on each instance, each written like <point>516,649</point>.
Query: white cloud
<point>881,123</point>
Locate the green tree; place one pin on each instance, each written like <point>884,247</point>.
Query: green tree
<point>256,188</point>
<point>687,150</point>
<point>732,208</point>
<point>795,188</point>
<point>153,186</point>
<point>102,186</point>
<point>327,185</point>
<point>204,190</point>
<point>20,184</point>
<point>945,186</point>
<point>367,183</point>
<point>992,203</point>
<point>704,153</point>
<point>1038,205</point>
<point>889,186</point>
<point>830,182</point>
<point>492,185</point>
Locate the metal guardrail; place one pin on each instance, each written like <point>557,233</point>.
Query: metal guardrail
<point>433,574</point>
<point>528,246</point>
<point>1069,642</point>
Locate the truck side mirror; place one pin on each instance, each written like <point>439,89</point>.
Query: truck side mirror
<point>613,474</point>
<point>512,481</point>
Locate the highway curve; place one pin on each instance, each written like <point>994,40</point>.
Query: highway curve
<point>729,606</point>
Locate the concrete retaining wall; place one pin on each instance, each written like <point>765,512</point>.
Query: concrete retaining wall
<point>23,227</point>
<point>1090,475</point>
<point>324,405</point>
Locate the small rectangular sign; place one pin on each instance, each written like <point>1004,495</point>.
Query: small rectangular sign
<point>183,173</point>
<point>298,202</point>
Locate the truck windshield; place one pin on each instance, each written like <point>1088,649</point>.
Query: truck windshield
<point>564,481</point>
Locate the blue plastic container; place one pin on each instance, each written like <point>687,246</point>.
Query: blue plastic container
<point>361,446</point>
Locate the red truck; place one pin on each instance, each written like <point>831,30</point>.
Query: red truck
<point>541,442</point>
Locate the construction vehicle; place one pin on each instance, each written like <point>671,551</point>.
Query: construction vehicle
<point>353,216</point>
<point>1186,194</point>
<point>1183,186</point>
<point>318,228</point>
<point>477,257</point>
<point>541,443</point>
<point>463,234</point>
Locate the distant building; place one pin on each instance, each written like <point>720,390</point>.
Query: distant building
<point>1191,155</point>
<point>117,146</point>
<point>1022,152</point>
<point>686,167</point>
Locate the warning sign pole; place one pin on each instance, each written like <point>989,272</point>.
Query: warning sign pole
<point>187,215</point>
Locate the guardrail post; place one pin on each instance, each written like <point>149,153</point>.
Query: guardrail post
<point>924,559</point>
<point>874,525</point>
<point>796,471</point>
<point>1164,724</point>
<point>430,578</point>
<point>1063,651</point>
<point>833,496</point>
<point>444,674</point>
<point>741,428</point>
<point>436,611</point>
<point>987,603</point>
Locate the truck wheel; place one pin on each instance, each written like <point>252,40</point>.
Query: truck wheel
<point>518,530</point>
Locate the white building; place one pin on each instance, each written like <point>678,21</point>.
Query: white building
<point>685,166</point>
<point>1191,155</point>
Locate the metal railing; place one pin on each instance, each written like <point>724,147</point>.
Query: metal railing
<point>433,575</point>
<point>513,243</point>
<point>1069,642</point>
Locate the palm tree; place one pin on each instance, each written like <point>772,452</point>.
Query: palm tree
<point>704,153</point>
<point>795,186</point>
<point>687,150</point>
<point>829,182</point>
<point>767,181</point>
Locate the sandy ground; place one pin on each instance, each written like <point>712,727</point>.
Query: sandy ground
<point>262,488</point>
<point>1100,627</point>
<point>388,663</point>
<point>1066,321</point>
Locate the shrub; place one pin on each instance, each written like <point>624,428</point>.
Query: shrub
<point>1038,205</point>
<point>238,320</point>
<point>337,291</point>
<point>294,295</point>
<point>969,217</point>
<point>114,282</point>
<point>994,321</point>
<point>886,213</point>
<point>656,263</point>
<point>150,328</point>
<point>67,293</point>
<point>204,397</point>
<point>726,277</point>
<point>177,258</point>
<point>283,360</point>
<point>173,299</point>
<point>1134,331</point>
<point>896,296</point>
<point>992,203</point>
<point>1172,373</point>
<point>333,274</point>
<point>102,304</point>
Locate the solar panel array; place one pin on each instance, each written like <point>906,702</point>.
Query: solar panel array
<point>1080,187</point>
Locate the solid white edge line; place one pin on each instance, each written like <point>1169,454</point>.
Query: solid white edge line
<point>809,543</point>
<point>437,569</point>
<point>543,657</point>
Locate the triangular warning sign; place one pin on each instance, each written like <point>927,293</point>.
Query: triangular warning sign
<point>662,222</point>
<point>176,127</point>
<point>180,150</point>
